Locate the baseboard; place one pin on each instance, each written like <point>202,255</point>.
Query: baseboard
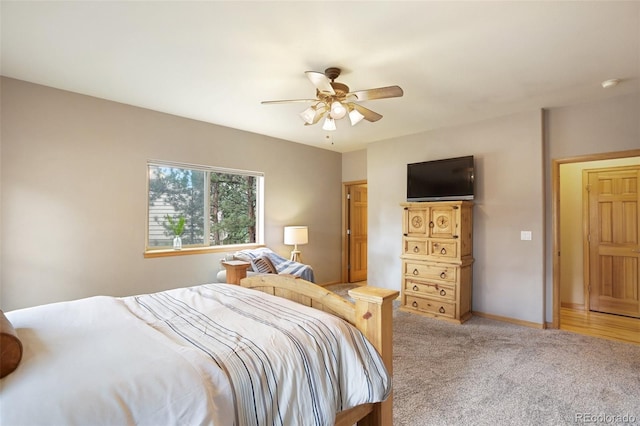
<point>576,306</point>
<point>510,320</point>
<point>329,283</point>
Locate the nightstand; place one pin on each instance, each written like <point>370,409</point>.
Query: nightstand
<point>236,270</point>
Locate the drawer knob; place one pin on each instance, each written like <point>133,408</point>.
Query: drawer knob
<point>414,304</point>
<point>436,245</point>
<point>443,293</point>
<point>416,249</point>
<point>415,288</point>
<point>415,272</point>
<point>441,310</point>
<point>443,251</point>
<point>443,275</point>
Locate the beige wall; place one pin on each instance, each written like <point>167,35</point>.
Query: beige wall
<point>512,278</point>
<point>74,195</point>
<point>354,166</point>
<point>609,125</point>
<point>508,273</point>
<point>571,233</point>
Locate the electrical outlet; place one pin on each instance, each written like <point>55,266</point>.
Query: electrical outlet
<point>525,235</point>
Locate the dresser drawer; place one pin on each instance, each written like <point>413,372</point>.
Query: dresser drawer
<point>415,247</point>
<point>445,249</point>
<point>431,271</point>
<point>432,306</point>
<point>437,290</point>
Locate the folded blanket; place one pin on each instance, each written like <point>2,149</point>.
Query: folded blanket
<point>282,265</point>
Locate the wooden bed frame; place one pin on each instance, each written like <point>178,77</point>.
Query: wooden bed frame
<point>372,314</point>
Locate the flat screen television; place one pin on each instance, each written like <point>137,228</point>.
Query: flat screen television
<point>441,180</point>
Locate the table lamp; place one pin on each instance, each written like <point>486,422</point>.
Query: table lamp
<point>294,235</point>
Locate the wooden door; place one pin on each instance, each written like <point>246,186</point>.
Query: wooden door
<point>614,240</point>
<point>357,232</point>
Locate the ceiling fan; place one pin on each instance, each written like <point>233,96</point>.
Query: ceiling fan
<point>334,101</point>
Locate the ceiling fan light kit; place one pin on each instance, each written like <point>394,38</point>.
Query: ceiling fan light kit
<point>309,114</point>
<point>329,124</point>
<point>313,114</point>
<point>338,110</point>
<point>334,101</point>
<point>355,117</point>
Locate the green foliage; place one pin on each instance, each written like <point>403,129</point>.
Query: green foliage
<point>176,226</point>
<point>183,189</point>
<point>231,204</point>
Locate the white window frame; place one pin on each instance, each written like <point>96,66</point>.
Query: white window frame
<point>205,247</point>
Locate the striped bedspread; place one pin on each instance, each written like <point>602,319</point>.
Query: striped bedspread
<point>286,363</point>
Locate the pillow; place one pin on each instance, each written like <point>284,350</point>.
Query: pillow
<point>10,347</point>
<point>264,265</point>
<point>250,255</point>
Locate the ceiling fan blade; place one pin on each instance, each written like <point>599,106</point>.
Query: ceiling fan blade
<point>379,93</point>
<point>285,101</point>
<point>368,114</point>
<point>320,81</point>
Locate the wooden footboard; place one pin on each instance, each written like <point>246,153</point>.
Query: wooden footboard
<point>372,314</point>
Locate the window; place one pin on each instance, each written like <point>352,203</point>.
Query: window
<point>206,206</point>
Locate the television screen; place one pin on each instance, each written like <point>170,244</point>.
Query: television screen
<point>441,180</point>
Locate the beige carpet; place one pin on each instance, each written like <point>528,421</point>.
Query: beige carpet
<point>488,372</point>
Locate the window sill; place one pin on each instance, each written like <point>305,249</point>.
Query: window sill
<point>186,251</point>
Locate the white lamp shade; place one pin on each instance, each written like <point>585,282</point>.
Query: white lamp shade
<point>294,235</point>
<point>329,124</point>
<point>338,110</point>
<point>308,115</point>
<point>355,116</point>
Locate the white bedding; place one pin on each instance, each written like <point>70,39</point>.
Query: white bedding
<point>211,354</point>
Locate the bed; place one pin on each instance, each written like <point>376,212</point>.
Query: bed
<point>203,355</point>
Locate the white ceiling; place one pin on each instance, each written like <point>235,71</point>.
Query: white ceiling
<point>215,61</point>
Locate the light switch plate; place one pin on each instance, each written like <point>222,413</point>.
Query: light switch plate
<point>525,235</point>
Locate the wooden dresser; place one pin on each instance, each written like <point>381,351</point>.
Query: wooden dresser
<point>437,259</point>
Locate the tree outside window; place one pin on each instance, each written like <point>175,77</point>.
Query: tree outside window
<point>228,199</point>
